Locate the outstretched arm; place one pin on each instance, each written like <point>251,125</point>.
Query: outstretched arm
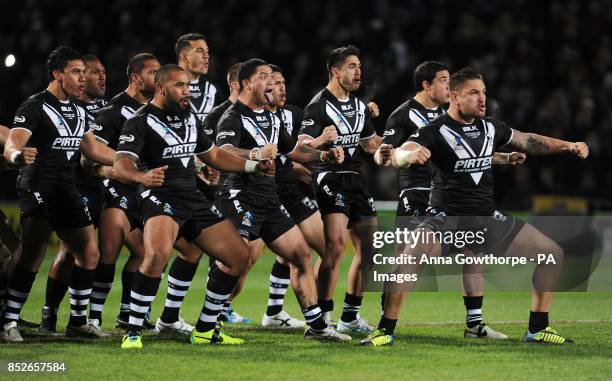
<point>541,145</point>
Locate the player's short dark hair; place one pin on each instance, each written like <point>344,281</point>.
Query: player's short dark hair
<point>427,72</point>
<point>276,69</point>
<point>87,58</point>
<point>337,56</point>
<point>137,63</point>
<point>232,73</point>
<point>184,42</point>
<point>162,74</point>
<point>248,68</point>
<point>58,59</point>
<point>458,78</point>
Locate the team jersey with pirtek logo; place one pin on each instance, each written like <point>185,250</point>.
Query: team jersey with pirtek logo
<point>245,128</point>
<point>109,122</point>
<point>57,128</point>
<point>158,137</point>
<point>84,179</point>
<point>352,120</point>
<point>203,96</point>
<point>291,120</point>
<point>403,122</point>
<point>461,157</point>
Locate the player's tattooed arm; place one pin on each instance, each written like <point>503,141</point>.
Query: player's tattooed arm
<point>96,150</point>
<point>542,145</point>
<point>510,158</point>
<point>126,171</point>
<point>371,144</point>
<point>305,154</point>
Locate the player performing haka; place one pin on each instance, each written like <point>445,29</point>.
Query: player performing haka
<point>48,130</point>
<point>163,137</point>
<point>341,192</point>
<point>252,204</point>
<point>460,146</point>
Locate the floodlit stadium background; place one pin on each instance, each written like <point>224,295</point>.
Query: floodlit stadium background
<point>548,64</point>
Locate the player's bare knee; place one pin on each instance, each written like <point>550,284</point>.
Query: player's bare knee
<point>335,247</point>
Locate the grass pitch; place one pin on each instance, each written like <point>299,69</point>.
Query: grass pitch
<point>429,341</point>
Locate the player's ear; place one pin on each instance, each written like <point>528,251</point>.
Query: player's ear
<point>426,85</point>
<point>57,75</point>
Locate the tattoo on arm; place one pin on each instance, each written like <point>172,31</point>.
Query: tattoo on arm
<point>305,154</point>
<point>500,158</point>
<point>537,144</point>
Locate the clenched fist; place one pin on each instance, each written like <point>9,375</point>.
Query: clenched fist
<point>265,168</point>
<point>330,134</point>
<point>579,149</point>
<point>374,111</point>
<point>154,177</point>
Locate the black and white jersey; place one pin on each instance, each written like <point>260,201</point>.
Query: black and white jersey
<point>245,128</point>
<point>57,128</point>
<point>93,108</point>
<point>203,96</point>
<point>158,137</point>
<point>403,122</point>
<point>352,120</point>
<point>212,120</point>
<point>109,122</point>
<point>291,120</point>
<point>461,158</point>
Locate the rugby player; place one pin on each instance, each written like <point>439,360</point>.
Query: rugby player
<point>249,130</point>
<point>93,101</point>
<point>460,146</point>
<point>119,220</point>
<point>163,137</point>
<point>431,83</point>
<point>48,130</point>
<point>192,53</point>
<point>341,192</point>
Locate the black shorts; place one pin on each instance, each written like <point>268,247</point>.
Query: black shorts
<point>299,205</point>
<point>412,202</point>
<point>93,199</point>
<point>190,210</point>
<point>497,230</point>
<point>117,195</point>
<point>344,193</point>
<point>208,191</point>
<point>254,216</point>
<point>60,204</point>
